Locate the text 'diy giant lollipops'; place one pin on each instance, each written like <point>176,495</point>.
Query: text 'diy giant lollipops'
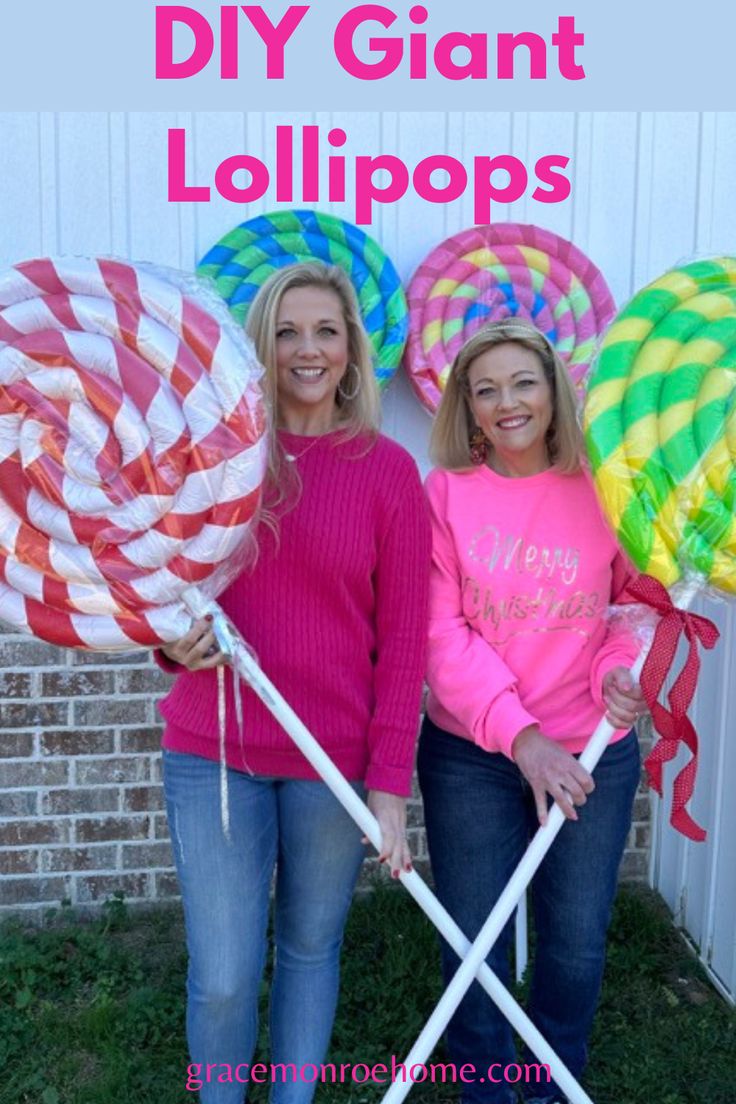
<point>660,423</point>
<point>132,450</point>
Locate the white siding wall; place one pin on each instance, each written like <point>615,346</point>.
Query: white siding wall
<point>698,880</point>
<point>648,190</point>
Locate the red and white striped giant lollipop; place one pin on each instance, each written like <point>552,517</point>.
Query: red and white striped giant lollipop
<point>132,450</point>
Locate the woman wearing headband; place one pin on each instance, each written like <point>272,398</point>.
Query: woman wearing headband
<point>335,608</point>
<point>523,661</point>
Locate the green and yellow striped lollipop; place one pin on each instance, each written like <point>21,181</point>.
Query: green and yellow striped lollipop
<point>660,424</point>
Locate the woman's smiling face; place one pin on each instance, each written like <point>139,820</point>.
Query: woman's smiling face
<point>311,350</point>
<point>511,400</point>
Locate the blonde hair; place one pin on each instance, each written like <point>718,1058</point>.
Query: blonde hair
<point>450,441</point>
<point>359,414</point>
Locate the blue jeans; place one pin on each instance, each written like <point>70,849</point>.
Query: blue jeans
<point>300,829</point>
<point>479,813</point>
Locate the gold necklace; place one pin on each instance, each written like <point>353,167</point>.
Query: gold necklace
<point>292,457</point>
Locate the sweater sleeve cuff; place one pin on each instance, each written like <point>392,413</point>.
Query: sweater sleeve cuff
<point>394,780</point>
<point>505,719</point>
<point>601,669</point>
<point>166,664</point>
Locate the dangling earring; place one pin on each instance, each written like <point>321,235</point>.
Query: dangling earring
<point>550,443</point>
<point>349,396</point>
<point>478,446</point>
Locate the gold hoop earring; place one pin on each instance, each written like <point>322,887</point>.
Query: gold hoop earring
<point>349,396</point>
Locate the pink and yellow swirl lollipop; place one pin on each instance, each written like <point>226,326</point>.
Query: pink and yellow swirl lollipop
<point>488,273</point>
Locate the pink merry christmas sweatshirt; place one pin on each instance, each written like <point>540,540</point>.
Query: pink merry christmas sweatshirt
<point>523,574</point>
<point>336,610</point>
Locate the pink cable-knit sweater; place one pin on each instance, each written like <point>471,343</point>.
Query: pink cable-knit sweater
<point>523,573</point>
<point>337,614</point>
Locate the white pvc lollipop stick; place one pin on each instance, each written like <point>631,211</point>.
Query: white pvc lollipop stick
<point>245,664</point>
<point>520,879</point>
<point>489,933</point>
<point>249,670</point>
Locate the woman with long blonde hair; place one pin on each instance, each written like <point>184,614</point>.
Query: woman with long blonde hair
<point>336,610</point>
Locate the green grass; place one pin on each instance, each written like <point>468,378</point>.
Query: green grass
<point>92,1013</point>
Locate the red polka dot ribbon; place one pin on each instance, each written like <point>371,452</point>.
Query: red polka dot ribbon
<point>673,724</point>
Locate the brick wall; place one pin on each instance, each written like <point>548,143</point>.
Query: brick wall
<point>80,797</point>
